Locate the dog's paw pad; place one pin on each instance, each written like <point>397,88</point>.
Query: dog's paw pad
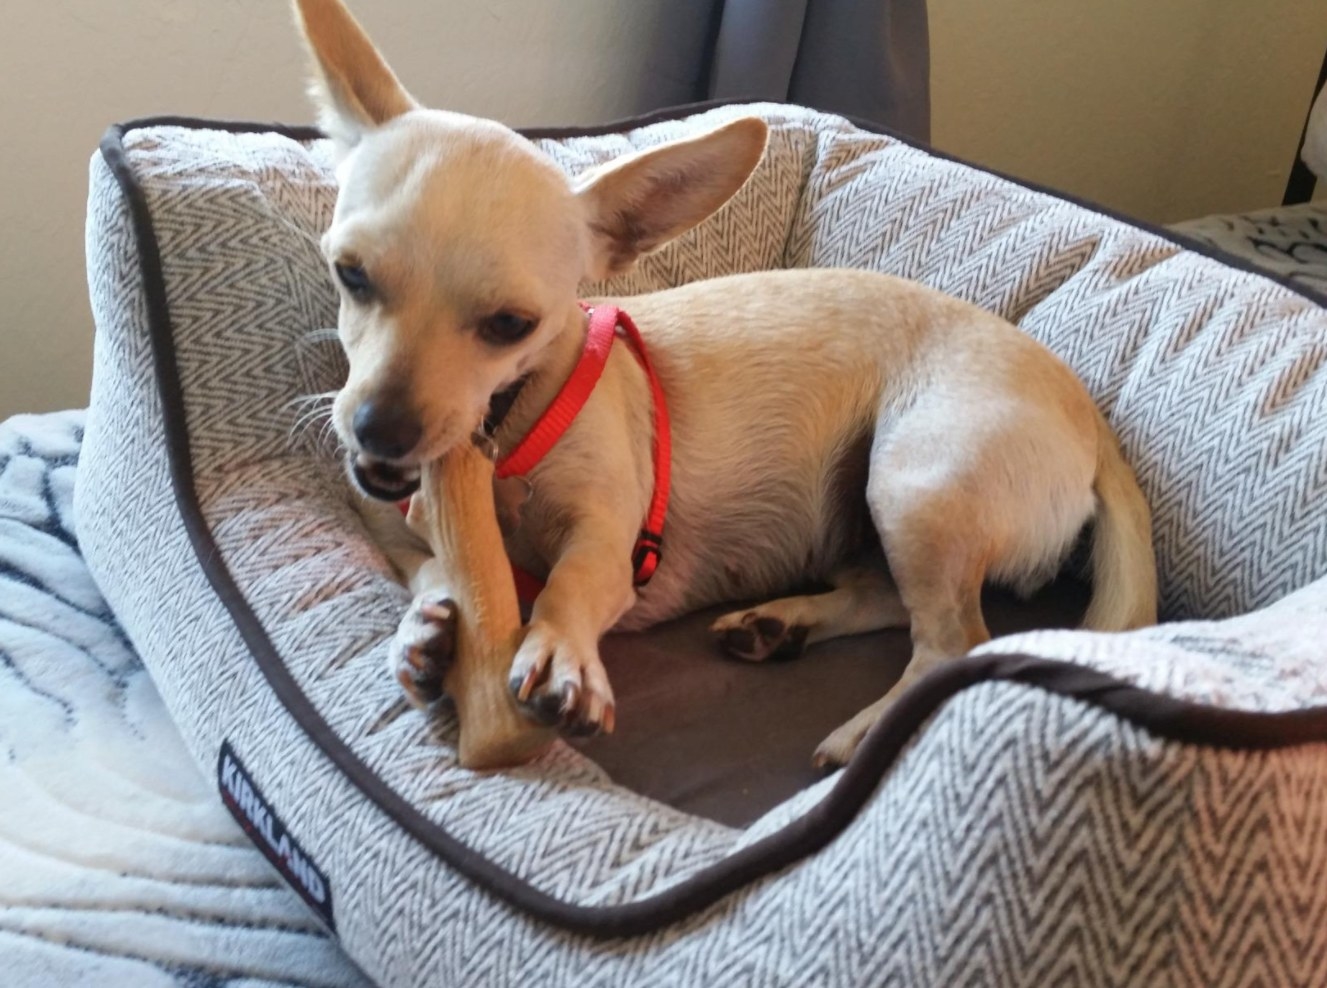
<point>422,650</point>
<point>757,637</point>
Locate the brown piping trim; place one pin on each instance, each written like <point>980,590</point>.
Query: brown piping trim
<point>296,132</point>
<point>1187,242</point>
<point>1164,716</point>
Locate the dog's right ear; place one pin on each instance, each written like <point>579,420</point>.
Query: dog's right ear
<point>353,88</point>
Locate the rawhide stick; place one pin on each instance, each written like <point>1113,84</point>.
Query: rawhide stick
<point>454,512</point>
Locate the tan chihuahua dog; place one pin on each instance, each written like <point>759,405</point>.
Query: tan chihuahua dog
<point>807,407</point>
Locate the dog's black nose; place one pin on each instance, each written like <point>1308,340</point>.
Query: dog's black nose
<point>388,430</point>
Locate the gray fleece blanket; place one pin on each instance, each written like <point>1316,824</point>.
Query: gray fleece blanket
<point>118,863</point>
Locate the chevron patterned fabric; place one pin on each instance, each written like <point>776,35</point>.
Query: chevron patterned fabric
<point>1022,837</point>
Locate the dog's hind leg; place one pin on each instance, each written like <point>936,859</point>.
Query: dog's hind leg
<point>946,623</point>
<point>941,585</point>
<point>936,534</point>
<point>863,599</point>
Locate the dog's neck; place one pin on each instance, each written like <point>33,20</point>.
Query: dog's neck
<point>537,389</point>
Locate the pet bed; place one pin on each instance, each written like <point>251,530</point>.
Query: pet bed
<point>1058,808</point>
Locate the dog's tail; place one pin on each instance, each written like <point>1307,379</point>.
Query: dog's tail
<point>1124,569</point>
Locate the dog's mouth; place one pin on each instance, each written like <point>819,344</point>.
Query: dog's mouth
<point>388,480</point>
<point>382,480</point>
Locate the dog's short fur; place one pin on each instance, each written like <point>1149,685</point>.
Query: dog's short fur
<point>807,406</point>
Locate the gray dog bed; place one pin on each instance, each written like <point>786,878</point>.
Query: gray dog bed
<point>1058,808</point>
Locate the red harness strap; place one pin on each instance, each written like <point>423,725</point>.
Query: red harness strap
<point>605,321</point>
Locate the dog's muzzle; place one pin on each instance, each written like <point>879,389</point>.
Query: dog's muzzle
<point>382,480</point>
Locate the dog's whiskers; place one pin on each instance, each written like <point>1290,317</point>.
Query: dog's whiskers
<point>320,335</point>
<point>314,416</point>
<point>328,433</point>
<point>317,396</point>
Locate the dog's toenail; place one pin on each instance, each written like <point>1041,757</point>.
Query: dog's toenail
<point>442,611</point>
<point>583,729</point>
<point>423,690</point>
<point>523,686</point>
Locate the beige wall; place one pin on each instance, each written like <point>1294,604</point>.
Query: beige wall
<point>1163,108</point>
<point>68,68</point>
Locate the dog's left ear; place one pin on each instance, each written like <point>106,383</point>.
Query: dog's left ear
<point>638,203</point>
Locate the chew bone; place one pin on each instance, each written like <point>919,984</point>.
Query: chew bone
<point>454,512</point>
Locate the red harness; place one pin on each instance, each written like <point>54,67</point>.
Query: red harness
<point>605,323</point>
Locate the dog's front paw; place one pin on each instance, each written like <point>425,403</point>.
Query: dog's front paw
<point>422,650</point>
<point>755,636</point>
<point>555,682</point>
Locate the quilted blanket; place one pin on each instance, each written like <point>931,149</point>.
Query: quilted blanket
<point>118,864</point>
<point>1289,241</point>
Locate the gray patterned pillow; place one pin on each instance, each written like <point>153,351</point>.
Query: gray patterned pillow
<point>1014,821</point>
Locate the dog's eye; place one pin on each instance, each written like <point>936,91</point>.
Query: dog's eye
<point>355,280</point>
<point>506,327</point>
